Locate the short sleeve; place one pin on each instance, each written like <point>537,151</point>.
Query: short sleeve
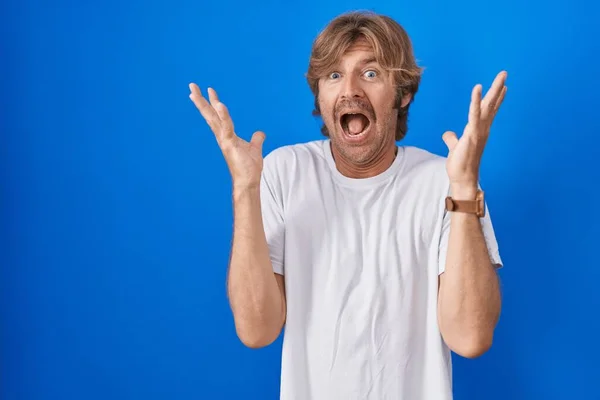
<point>488,233</point>
<point>272,214</point>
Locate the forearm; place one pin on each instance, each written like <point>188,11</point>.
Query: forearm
<point>469,297</point>
<point>254,294</point>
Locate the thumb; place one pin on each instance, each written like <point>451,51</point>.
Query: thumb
<point>258,139</point>
<point>450,139</point>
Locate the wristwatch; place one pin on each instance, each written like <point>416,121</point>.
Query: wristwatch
<point>476,206</point>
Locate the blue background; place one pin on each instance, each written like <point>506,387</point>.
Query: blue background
<point>116,208</point>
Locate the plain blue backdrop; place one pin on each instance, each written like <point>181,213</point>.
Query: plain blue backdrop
<point>116,207</point>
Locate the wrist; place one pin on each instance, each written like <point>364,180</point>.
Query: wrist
<point>239,191</point>
<point>464,191</point>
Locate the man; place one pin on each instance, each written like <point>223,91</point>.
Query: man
<point>383,258</point>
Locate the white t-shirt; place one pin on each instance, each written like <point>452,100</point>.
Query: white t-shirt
<point>361,259</point>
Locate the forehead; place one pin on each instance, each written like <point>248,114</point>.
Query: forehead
<point>359,52</point>
<point>360,44</point>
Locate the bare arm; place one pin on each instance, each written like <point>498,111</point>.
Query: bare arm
<point>469,295</point>
<point>256,294</point>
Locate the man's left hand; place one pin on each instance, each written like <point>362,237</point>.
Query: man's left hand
<point>465,153</point>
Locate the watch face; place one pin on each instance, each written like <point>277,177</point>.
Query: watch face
<point>476,206</point>
<point>449,204</point>
<point>480,204</point>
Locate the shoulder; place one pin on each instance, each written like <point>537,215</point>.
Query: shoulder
<point>421,161</point>
<point>286,169</point>
<point>292,152</point>
<point>288,158</point>
<point>426,171</point>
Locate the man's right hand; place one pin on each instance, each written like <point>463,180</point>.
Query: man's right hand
<point>244,159</point>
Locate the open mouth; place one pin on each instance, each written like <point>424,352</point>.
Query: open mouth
<point>354,123</point>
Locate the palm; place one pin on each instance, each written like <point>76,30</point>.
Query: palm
<point>243,158</point>
<point>465,154</point>
<point>462,156</point>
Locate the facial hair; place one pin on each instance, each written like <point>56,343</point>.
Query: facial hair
<point>381,137</point>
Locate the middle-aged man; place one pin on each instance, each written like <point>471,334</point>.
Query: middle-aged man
<point>379,259</point>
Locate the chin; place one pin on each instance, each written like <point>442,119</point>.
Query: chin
<point>357,150</point>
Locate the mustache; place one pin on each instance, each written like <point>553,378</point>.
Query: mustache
<point>355,105</point>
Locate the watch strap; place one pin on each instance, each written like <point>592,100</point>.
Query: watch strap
<point>476,206</point>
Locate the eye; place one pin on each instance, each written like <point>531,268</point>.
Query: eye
<point>334,75</point>
<point>371,74</point>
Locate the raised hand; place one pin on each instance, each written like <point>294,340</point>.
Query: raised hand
<point>465,153</point>
<point>244,159</point>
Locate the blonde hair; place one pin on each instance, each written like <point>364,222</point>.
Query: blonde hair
<point>391,45</point>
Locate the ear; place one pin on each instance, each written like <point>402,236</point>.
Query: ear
<point>317,110</point>
<point>406,99</point>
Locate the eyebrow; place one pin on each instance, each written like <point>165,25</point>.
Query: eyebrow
<point>368,60</point>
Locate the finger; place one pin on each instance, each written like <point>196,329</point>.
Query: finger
<point>475,107</point>
<point>208,112</point>
<point>258,139</point>
<point>494,93</point>
<point>223,113</point>
<point>226,121</point>
<point>212,95</point>
<point>450,139</point>
<point>193,87</point>
<point>500,99</point>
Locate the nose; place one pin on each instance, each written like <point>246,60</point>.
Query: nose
<point>351,88</point>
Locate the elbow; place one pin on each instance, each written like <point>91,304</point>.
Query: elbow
<point>255,341</point>
<point>257,338</point>
<point>472,346</point>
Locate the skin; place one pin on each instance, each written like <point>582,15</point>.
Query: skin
<point>360,80</point>
<point>469,296</point>
<point>469,300</point>
<point>256,294</point>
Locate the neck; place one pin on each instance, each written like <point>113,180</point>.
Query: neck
<point>368,169</point>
